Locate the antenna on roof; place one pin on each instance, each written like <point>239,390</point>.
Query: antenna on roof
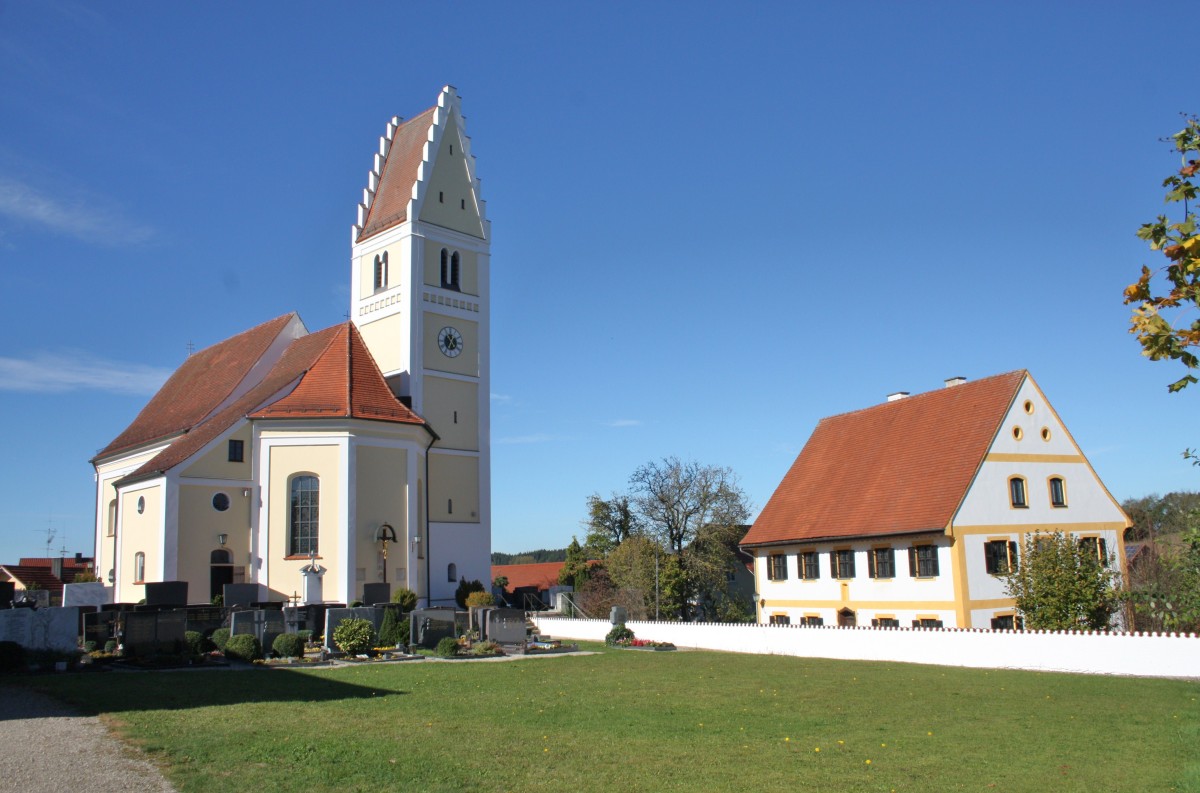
<point>49,535</point>
<point>191,348</point>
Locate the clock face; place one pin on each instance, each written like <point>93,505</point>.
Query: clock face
<point>450,342</point>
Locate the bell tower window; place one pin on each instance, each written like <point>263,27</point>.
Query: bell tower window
<point>381,271</point>
<point>451,266</point>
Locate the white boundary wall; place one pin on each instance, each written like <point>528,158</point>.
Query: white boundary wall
<point>1137,654</point>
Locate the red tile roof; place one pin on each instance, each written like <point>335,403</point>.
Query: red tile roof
<point>67,562</point>
<point>325,374</point>
<point>542,575</point>
<point>205,380</point>
<point>899,467</point>
<point>390,205</point>
<point>41,575</point>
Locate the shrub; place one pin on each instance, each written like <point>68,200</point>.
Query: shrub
<point>196,645</point>
<point>617,634</point>
<point>89,647</point>
<point>218,600</point>
<point>406,598</point>
<point>354,636</point>
<point>110,646</point>
<point>220,637</point>
<point>306,635</point>
<point>86,577</point>
<point>12,656</point>
<point>288,645</point>
<point>405,630</point>
<point>243,647</point>
<point>389,631</point>
<point>447,647</point>
<point>465,588</point>
<point>480,599</point>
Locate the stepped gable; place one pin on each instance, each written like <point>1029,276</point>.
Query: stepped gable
<point>899,467</point>
<point>390,184</point>
<point>205,380</point>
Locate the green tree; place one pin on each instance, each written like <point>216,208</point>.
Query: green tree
<point>609,523</point>
<point>574,571</point>
<point>711,561</point>
<point>1153,516</point>
<point>1166,295</point>
<point>1059,584</point>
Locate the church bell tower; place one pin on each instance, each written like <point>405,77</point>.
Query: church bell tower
<point>419,295</point>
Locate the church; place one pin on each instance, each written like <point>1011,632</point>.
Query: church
<point>313,463</point>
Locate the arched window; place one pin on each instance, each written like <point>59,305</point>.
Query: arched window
<point>1058,492</point>
<point>139,567</point>
<point>304,520</point>
<point>221,556</point>
<point>452,572</point>
<point>454,271</point>
<point>1016,492</point>
<point>381,271</point>
<point>112,518</point>
<point>445,267</point>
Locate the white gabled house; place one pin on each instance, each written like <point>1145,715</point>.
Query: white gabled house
<point>909,512</point>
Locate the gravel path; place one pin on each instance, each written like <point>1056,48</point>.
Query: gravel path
<point>46,747</point>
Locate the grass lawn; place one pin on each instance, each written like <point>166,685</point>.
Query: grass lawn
<point>626,720</point>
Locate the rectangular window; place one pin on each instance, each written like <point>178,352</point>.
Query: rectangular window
<point>236,451</point>
<point>780,619</point>
<point>1096,548</point>
<point>1016,492</point>
<point>926,622</point>
<point>841,563</point>
<point>881,563</point>
<point>1000,556</point>
<point>812,621</point>
<point>885,622</point>
<point>776,567</point>
<point>810,565</point>
<point>1006,622</point>
<point>923,561</point>
<point>1058,492</point>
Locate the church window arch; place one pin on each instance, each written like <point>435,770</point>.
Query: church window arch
<point>381,271</point>
<point>221,556</point>
<point>445,266</point>
<point>304,514</point>
<point>452,572</point>
<point>112,518</point>
<point>454,269</point>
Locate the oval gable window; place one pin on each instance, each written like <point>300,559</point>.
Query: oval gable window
<point>220,502</point>
<point>141,504</point>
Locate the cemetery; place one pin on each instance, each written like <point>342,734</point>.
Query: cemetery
<point>166,631</point>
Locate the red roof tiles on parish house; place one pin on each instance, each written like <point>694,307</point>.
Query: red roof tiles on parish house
<point>899,467</point>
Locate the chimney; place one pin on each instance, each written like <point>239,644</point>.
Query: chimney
<point>953,381</point>
<point>79,558</point>
<point>56,566</point>
<point>898,395</point>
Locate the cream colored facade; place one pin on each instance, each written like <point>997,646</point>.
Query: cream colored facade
<point>1033,445</point>
<point>228,514</point>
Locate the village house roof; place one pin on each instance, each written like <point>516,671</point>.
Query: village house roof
<point>327,374</point>
<point>542,575</point>
<point>900,467</point>
<point>39,571</point>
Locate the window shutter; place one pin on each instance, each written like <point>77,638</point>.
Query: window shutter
<point>1103,550</point>
<point>833,565</point>
<point>1012,556</point>
<point>871,563</point>
<point>912,561</point>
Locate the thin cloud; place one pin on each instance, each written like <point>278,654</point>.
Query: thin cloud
<point>623,423</point>
<point>501,398</point>
<point>74,216</point>
<point>59,373</point>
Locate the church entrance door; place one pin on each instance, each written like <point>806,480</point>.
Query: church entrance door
<point>221,571</point>
<point>847,618</point>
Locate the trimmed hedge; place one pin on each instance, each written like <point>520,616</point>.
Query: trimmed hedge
<point>243,647</point>
<point>219,637</point>
<point>447,647</point>
<point>288,645</point>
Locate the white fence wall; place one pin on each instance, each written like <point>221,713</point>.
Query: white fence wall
<point>1143,655</point>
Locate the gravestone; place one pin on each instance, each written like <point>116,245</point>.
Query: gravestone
<point>90,594</point>
<point>167,593</point>
<point>37,598</point>
<point>263,624</point>
<point>431,625</point>
<point>334,616</point>
<point>139,633</point>
<point>240,594</point>
<point>44,629</point>
<point>507,626</point>
<point>204,619</point>
<point>98,627</point>
<point>377,593</point>
<point>7,592</point>
<point>478,620</point>
<point>170,631</point>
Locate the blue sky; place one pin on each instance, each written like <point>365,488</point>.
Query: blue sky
<point>712,225</point>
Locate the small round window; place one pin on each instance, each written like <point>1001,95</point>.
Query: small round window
<point>1018,433</point>
<point>220,502</point>
<point>1045,433</point>
<point>141,504</point>
<point>1029,406</point>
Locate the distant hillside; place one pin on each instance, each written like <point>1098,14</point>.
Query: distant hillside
<point>530,557</point>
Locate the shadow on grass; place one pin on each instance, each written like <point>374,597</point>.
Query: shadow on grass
<point>93,695</point>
